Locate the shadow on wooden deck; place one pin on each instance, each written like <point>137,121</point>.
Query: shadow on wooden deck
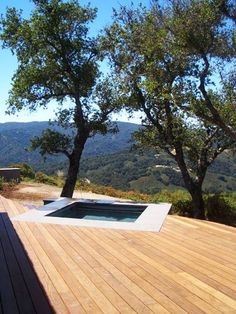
<point>20,288</point>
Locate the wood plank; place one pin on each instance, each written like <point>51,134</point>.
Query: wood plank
<point>53,295</point>
<point>175,277</point>
<point>222,297</point>
<point>203,272</point>
<point>204,306</point>
<point>147,293</point>
<point>88,256</point>
<point>37,294</point>
<point>21,291</point>
<point>1,309</point>
<point>65,292</point>
<point>9,207</point>
<point>196,254</point>
<point>8,303</point>
<point>77,275</point>
<point>201,235</point>
<point>86,270</point>
<point>206,247</point>
<point>121,283</point>
<point>166,258</point>
<point>185,260</point>
<point>208,225</point>
<point>71,277</point>
<point>176,288</point>
<point>107,290</point>
<point>184,248</point>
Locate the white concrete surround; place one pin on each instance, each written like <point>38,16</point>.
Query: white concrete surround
<point>151,218</point>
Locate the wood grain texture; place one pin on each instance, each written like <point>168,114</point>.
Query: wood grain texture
<point>189,267</point>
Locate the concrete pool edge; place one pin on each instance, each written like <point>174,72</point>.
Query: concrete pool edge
<point>151,219</point>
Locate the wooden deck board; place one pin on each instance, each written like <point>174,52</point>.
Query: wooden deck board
<point>86,252</point>
<point>169,260</point>
<point>83,265</point>
<point>148,279</point>
<point>77,276</point>
<point>21,292</point>
<point>8,301</point>
<point>189,267</point>
<point>35,289</point>
<point>49,287</point>
<point>58,280</point>
<point>25,291</point>
<point>149,258</point>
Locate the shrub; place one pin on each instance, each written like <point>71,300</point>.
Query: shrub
<point>108,190</point>
<point>220,209</point>
<point>26,171</point>
<point>170,196</point>
<point>1,183</point>
<point>12,182</point>
<point>180,200</point>
<point>7,184</point>
<point>43,178</point>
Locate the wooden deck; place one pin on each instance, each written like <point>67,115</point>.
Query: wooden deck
<point>189,267</point>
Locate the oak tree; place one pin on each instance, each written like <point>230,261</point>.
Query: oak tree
<point>165,60</point>
<point>58,62</point>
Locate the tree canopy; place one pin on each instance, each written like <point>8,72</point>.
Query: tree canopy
<point>58,61</point>
<point>175,65</point>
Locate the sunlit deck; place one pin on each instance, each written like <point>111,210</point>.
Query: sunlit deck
<point>189,267</point>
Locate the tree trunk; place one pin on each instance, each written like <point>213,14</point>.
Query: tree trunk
<point>193,187</point>
<point>74,163</point>
<point>197,203</point>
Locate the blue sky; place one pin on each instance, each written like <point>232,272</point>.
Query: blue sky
<point>8,63</point>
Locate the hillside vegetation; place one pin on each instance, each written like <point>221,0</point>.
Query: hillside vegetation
<point>220,207</point>
<point>109,161</point>
<point>147,172</point>
<point>15,139</point>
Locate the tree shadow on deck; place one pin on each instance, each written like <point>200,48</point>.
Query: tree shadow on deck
<point>20,287</point>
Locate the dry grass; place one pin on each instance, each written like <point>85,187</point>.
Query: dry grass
<point>34,193</point>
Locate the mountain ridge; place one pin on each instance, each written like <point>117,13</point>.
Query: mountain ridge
<point>15,138</point>
<point>108,160</point>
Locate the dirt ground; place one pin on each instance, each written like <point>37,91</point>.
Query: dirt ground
<point>29,193</point>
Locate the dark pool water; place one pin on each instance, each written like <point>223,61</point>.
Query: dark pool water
<point>105,212</point>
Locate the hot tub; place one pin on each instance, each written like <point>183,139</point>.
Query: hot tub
<point>100,214</point>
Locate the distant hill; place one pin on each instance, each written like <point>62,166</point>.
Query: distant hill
<point>148,172</point>
<point>108,160</point>
<point>15,138</point>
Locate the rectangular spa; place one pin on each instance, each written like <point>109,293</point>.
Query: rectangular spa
<point>104,212</point>
<point>123,215</point>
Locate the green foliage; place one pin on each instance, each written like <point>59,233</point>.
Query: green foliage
<point>110,191</point>
<point>132,170</point>
<point>180,200</point>
<point>165,60</point>
<point>59,60</point>
<point>26,170</point>
<point>43,178</point>
<point>221,208</point>
<point>48,44</point>
<point>51,142</point>
<point>12,182</point>
<point>7,184</point>
<point>1,183</point>
<point>105,155</point>
<point>147,172</point>
<point>15,137</point>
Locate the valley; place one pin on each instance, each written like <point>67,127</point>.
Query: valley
<point>111,160</point>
